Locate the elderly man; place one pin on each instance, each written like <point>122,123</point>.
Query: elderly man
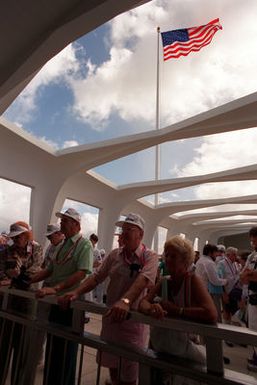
<point>72,261</point>
<point>56,238</point>
<point>221,253</point>
<point>249,277</point>
<point>227,269</point>
<point>131,268</point>
<point>206,269</point>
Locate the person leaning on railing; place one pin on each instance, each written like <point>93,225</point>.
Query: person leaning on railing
<point>249,277</point>
<point>17,263</point>
<point>69,266</point>
<point>132,269</point>
<point>182,294</point>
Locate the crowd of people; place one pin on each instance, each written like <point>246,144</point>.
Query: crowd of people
<point>218,285</point>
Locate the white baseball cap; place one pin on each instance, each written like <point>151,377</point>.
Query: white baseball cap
<point>133,219</point>
<point>221,248</point>
<point>71,213</point>
<point>51,229</point>
<point>17,230</point>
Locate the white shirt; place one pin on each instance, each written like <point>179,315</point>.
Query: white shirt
<point>229,271</point>
<point>206,269</point>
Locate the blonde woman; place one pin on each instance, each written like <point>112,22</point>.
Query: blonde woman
<point>183,295</point>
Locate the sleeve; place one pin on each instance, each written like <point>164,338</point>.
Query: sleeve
<point>150,267</point>
<point>85,257</point>
<point>221,270</point>
<point>104,270</point>
<point>37,258</point>
<point>213,275</point>
<point>3,265</point>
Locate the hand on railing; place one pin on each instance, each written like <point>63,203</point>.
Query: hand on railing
<point>45,291</point>
<point>65,300</point>
<point>119,312</point>
<point>5,282</point>
<point>157,311</point>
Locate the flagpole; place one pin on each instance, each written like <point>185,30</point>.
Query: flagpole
<point>157,126</point>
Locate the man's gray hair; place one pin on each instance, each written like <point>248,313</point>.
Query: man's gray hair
<point>232,250</point>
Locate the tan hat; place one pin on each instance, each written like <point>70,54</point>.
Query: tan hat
<point>71,213</point>
<point>51,229</point>
<point>17,230</point>
<point>133,219</point>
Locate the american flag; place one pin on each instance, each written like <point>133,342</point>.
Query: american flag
<point>180,42</point>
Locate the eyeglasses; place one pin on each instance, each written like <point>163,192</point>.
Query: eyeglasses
<point>129,230</point>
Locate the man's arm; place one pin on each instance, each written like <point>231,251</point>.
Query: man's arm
<point>248,275</point>
<point>213,276</point>
<point>89,284</point>
<point>40,276</point>
<point>120,309</point>
<point>69,282</point>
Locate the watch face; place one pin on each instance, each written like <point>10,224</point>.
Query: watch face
<point>126,301</point>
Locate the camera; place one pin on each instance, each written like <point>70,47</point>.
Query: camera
<point>252,286</point>
<point>253,299</point>
<point>22,281</point>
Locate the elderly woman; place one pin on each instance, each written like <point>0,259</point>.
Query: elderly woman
<point>182,294</point>
<point>24,255</point>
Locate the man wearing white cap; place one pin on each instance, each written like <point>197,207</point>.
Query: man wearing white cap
<point>221,253</point>
<point>132,269</point>
<point>72,261</point>
<point>56,237</point>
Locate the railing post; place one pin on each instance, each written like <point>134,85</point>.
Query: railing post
<point>144,374</point>
<point>214,355</point>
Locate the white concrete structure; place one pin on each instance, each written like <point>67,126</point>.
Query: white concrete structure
<point>57,175</point>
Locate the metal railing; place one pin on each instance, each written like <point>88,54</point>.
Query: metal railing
<point>32,326</point>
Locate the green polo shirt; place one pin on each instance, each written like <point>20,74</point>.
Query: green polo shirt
<point>75,254</point>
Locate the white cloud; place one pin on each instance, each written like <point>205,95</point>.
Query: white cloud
<point>222,152</point>
<point>125,83</point>
<point>89,223</point>
<point>70,143</point>
<point>58,69</point>
<point>11,211</point>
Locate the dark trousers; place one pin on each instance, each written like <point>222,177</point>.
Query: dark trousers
<point>61,355</point>
<point>12,342</point>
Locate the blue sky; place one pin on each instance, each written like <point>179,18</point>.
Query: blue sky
<point>103,86</point>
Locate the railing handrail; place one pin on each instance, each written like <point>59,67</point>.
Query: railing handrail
<point>219,331</point>
<point>149,358</point>
<point>212,373</point>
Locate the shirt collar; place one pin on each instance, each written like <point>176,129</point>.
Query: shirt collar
<point>138,252</point>
<point>75,237</point>
<point>208,257</point>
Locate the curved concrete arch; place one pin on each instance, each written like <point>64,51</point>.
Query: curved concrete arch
<point>138,190</point>
<point>235,115</point>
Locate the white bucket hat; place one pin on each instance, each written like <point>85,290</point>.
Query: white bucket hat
<point>17,230</point>
<point>133,219</point>
<point>51,229</point>
<point>71,213</point>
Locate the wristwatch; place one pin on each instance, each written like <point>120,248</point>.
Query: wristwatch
<point>126,301</point>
